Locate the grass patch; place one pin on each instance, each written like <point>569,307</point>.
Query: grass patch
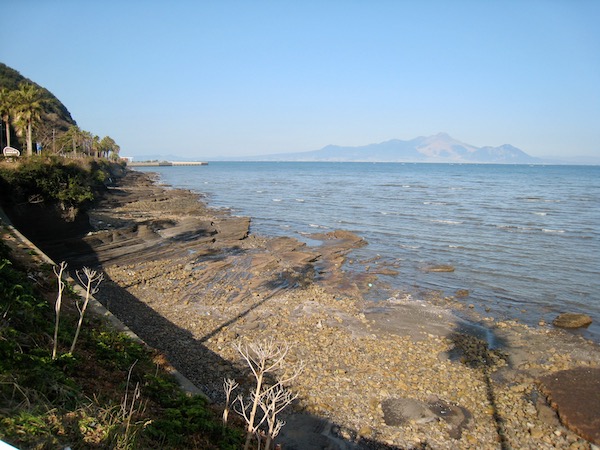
<point>111,393</point>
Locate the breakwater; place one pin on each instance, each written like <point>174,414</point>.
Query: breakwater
<point>165,163</point>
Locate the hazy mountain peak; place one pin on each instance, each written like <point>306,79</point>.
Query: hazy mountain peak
<point>444,147</point>
<point>440,147</point>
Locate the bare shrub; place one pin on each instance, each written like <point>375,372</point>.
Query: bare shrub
<point>228,386</point>
<point>58,271</point>
<point>91,283</point>
<point>263,358</point>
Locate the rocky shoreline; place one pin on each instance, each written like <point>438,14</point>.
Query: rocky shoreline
<point>402,373</point>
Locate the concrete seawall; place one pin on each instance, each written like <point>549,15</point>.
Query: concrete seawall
<point>166,163</point>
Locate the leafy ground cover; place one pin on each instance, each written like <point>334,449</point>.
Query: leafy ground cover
<point>70,183</point>
<point>111,392</point>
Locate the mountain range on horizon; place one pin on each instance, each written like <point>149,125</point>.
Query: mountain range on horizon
<point>440,148</point>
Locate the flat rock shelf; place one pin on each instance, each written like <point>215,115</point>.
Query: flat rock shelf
<point>192,281</point>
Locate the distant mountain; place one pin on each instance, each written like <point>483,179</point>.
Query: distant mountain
<point>438,148</point>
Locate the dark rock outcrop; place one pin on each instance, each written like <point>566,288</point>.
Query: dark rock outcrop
<point>398,411</point>
<point>575,395</point>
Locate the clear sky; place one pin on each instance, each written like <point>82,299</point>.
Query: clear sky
<point>234,78</point>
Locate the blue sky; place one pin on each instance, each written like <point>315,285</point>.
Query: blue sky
<point>234,78</point>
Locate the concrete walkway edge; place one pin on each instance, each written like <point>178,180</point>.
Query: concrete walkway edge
<point>97,308</point>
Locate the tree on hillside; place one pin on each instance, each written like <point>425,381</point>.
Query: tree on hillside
<point>56,118</point>
<point>68,141</point>
<point>7,102</point>
<point>109,148</point>
<point>76,141</point>
<point>28,108</point>
<point>87,140</point>
<point>95,146</point>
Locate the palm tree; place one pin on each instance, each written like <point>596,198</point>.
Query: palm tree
<point>86,139</point>
<point>69,140</point>
<point>28,107</point>
<point>109,148</point>
<point>7,103</point>
<point>95,146</point>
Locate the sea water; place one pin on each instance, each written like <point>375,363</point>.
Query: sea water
<point>524,240</point>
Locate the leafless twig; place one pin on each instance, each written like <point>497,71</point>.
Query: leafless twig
<point>92,283</point>
<point>228,386</point>
<point>58,271</point>
<point>262,358</point>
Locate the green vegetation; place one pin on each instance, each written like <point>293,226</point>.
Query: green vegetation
<point>56,117</point>
<point>69,184</point>
<point>31,113</point>
<point>112,392</point>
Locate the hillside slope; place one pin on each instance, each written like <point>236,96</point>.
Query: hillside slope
<point>55,117</point>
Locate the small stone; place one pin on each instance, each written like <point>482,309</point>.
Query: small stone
<point>472,439</point>
<point>345,434</point>
<point>401,385</point>
<point>519,387</point>
<point>572,320</point>
<point>536,433</point>
<point>365,431</point>
<point>398,411</point>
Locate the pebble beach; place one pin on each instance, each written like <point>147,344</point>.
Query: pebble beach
<point>400,373</point>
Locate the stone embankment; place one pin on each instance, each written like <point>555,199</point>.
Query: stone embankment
<point>402,373</point>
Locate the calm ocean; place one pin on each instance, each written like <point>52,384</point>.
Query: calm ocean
<point>524,240</point>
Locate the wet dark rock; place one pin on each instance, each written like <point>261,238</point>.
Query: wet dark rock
<point>398,411</point>
<point>572,320</point>
<point>384,271</point>
<point>439,268</point>
<point>575,395</point>
<point>455,416</point>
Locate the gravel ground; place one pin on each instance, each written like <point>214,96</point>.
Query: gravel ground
<point>402,373</point>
